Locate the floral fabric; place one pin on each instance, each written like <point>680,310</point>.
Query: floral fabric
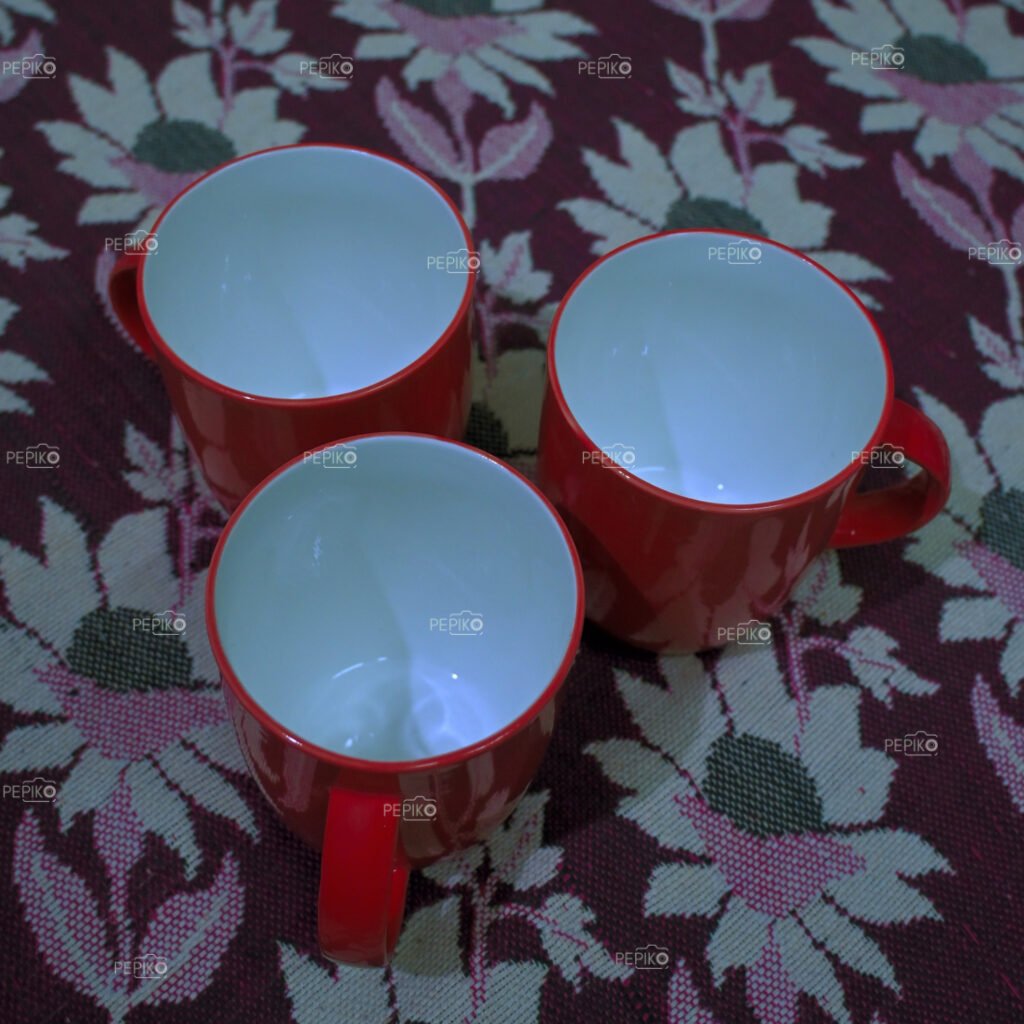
<point>824,828</point>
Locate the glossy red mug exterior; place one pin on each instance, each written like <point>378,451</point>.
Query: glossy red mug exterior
<point>381,739</point>
<point>300,294</point>
<point>635,455</point>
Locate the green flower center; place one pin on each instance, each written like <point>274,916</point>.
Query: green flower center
<point>934,59</point>
<point>451,8</point>
<point>1002,524</point>
<point>711,213</point>
<point>182,146</point>
<point>761,788</point>
<point>118,650</point>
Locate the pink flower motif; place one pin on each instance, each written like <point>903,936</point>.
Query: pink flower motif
<point>158,187</point>
<point>487,49</point>
<point>716,10</point>
<point>11,85</point>
<point>1002,577</point>
<point>189,933</point>
<point>1002,738</point>
<point>960,80</point>
<point>774,875</point>
<point>451,35</point>
<point>963,103</point>
<point>119,838</point>
<point>128,726</point>
<point>772,991</point>
<point>60,910</point>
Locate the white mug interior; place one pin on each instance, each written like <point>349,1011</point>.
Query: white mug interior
<point>720,369</point>
<point>396,597</point>
<point>306,272</point>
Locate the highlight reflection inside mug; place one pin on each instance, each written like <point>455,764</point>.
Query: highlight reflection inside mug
<point>396,597</point>
<point>305,272</point>
<point>719,370</point>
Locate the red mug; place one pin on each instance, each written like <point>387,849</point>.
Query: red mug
<point>713,400</point>
<point>301,294</point>
<point>393,617</point>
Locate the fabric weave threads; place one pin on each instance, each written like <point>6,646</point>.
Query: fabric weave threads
<point>826,827</point>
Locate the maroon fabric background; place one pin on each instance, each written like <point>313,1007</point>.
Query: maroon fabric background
<point>901,204</point>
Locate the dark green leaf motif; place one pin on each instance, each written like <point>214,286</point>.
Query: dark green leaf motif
<point>485,431</point>
<point>711,213</point>
<point>111,649</point>
<point>1002,525</point>
<point>451,8</point>
<point>761,788</point>
<point>934,59</point>
<point>181,146</point>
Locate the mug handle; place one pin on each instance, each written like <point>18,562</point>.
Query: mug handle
<point>122,287</point>
<point>363,879</point>
<point>891,512</point>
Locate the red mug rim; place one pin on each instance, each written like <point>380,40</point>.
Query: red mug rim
<point>451,757</point>
<point>695,503</point>
<point>225,390</point>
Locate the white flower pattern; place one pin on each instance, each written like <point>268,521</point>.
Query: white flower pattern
<point>744,808</point>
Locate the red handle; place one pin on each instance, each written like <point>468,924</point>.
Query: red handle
<point>905,506</point>
<point>363,878</point>
<point>123,290</point>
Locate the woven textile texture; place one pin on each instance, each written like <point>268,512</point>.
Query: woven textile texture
<point>751,818</point>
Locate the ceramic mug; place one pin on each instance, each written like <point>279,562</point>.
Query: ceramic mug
<point>393,617</point>
<point>713,400</point>
<point>298,295</point>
